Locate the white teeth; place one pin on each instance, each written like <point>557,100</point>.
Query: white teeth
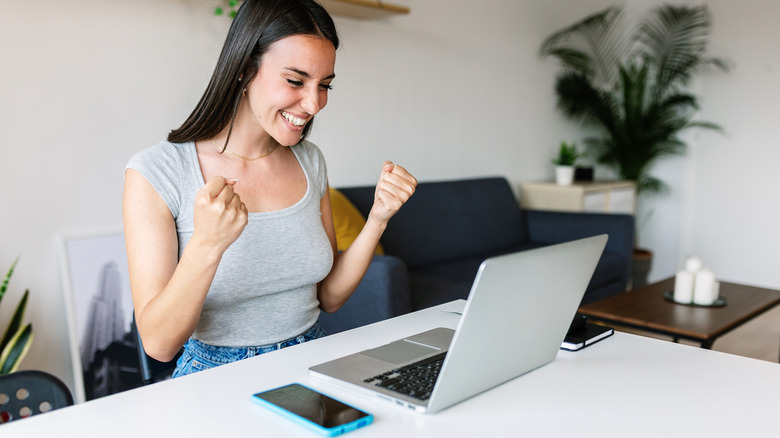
<point>294,120</point>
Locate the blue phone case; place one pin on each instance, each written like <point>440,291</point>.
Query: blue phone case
<point>327,431</point>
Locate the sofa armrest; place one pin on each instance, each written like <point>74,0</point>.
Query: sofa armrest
<point>383,293</point>
<point>555,227</point>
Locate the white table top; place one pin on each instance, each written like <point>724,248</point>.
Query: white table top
<point>624,386</point>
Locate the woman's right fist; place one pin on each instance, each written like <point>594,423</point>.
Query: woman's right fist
<point>220,216</point>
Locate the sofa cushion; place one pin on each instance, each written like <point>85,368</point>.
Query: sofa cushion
<point>609,269</point>
<point>430,291</point>
<point>437,284</point>
<point>451,220</point>
<point>441,283</point>
<point>383,293</point>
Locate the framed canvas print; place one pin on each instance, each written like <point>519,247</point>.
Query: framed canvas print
<point>100,310</point>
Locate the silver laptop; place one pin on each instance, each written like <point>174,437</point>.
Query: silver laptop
<point>517,314</point>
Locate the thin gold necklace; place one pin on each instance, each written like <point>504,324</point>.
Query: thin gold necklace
<point>245,158</point>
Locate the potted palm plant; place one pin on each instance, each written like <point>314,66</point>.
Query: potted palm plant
<point>631,85</point>
<point>17,338</point>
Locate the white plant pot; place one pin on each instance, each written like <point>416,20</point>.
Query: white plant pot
<point>564,175</point>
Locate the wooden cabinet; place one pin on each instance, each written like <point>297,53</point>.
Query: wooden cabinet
<point>595,197</point>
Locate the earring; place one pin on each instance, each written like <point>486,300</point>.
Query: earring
<point>244,92</point>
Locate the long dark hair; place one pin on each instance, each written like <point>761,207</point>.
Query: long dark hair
<point>257,25</point>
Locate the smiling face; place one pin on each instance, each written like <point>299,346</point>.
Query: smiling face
<point>290,87</point>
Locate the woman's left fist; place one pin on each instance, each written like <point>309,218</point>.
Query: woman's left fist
<point>396,185</point>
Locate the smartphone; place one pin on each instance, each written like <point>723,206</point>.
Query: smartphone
<point>313,409</point>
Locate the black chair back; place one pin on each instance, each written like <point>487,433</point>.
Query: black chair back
<point>27,393</point>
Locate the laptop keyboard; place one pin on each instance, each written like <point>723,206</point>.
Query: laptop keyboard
<point>415,380</point>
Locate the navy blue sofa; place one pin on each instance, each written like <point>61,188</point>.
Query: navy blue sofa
<point>435,244</point>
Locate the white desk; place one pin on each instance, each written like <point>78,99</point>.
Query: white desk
<point>624,386</point>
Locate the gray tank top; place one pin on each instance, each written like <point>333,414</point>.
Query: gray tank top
<point>265,289</point>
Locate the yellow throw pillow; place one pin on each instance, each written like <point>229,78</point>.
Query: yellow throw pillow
<point>347,220</point>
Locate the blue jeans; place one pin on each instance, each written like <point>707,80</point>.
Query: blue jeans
<point>198,356</point>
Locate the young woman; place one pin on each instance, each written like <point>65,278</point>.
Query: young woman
<point>228,224</point>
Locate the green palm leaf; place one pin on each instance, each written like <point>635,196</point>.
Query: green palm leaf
<point>579,100</point>
<point>675,39</point>
<point>590,45</point>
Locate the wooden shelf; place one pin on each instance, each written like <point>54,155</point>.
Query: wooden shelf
<point>363,9</point>
<point>595,196</point>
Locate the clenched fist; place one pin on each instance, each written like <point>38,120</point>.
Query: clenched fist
<point>220,216</point>
<point>394,188</point>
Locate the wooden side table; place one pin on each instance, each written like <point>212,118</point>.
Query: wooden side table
<point>646,309</point>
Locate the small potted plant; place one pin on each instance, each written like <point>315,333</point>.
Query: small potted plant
<point>564,163</point>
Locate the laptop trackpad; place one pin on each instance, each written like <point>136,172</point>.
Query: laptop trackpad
<point>400,351</point>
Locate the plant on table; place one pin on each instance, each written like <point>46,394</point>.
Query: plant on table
<point>564,163</point>
<point>567,155</point>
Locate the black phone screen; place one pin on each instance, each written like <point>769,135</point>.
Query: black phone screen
<point>312,405</point>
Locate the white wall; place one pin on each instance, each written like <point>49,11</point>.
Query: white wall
<point>733,219</point>
<point>453,90</point>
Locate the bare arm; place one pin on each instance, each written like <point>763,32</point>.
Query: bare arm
<point>168,292</point>
<point>394,188</point>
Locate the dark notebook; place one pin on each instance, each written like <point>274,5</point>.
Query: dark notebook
<point>587,334</point>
